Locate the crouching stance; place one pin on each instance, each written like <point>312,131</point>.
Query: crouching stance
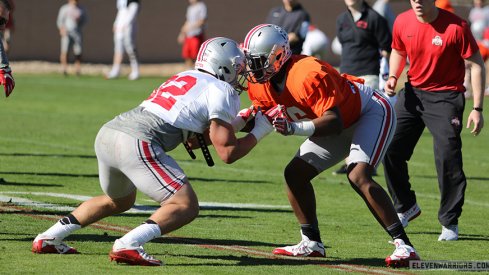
<point>132,151</point>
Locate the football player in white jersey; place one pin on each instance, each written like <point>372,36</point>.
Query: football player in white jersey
<point>132,151</point>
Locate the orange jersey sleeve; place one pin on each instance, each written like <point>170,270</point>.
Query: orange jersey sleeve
<point>312,87</point>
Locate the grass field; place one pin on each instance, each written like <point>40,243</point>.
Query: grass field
<point>48,126</point>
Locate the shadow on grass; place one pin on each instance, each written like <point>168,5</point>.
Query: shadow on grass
<point>50,174</point>
<point>228,180</point>
<point>143,215</point>
<point>245,260</point>
<point>3,182</point>
<point>261,258</point>
<point>96,176</point>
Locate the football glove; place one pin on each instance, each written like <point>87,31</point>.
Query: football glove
<point>277,111</point>
<point>283,126</point>
<point>262,127</point>
<point>242,118</point>
<point>7,80</point>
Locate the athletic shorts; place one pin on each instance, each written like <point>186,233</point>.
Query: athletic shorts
<point>126,163</point>
<point>72,39</point>
<point>366,141</point>
<point>191,46</point>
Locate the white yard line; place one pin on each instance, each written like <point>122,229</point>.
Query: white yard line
<point>136,209</point>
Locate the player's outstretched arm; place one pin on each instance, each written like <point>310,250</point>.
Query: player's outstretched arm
<point>228,146</point>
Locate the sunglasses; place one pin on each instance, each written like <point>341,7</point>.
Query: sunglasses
<point>3,21</point>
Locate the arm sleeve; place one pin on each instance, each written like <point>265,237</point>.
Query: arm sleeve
<point>3,56</point>
<point>383,35</point>
<point>468,45</point>
<point>61,17</point>
<point>222,104</point>
<point>84,17</point>
<point>322,94</point>
<point>132,11</point>
<point>203,12</point>
<point>397,43</point>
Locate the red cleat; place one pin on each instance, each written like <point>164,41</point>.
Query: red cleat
<point>134,256</point>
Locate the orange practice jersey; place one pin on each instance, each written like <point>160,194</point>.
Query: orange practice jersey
<point>312,87</point>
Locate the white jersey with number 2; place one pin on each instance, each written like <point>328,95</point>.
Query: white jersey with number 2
<point>189,100</point>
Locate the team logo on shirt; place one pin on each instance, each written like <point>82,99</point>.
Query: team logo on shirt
<point>362,24</point>
<point>437,41</point>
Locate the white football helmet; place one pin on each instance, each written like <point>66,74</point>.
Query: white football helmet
<point>267,49</point>
<point>223,58</point>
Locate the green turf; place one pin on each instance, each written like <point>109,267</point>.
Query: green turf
<point>46,145</point>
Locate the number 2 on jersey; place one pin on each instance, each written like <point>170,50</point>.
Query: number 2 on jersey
<point>166,94</point>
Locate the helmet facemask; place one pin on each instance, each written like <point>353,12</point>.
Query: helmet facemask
<point>222,58</point>
<point>266,49</point>
<point>261,68</point>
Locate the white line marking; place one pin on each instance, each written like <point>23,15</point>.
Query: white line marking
<point>136,209</point>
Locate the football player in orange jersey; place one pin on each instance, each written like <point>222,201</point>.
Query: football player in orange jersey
<point>339,116</point>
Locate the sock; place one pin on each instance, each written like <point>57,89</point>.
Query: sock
<point>140,235</point>
<point>311,231</point>
<point>63,227</point>
<point>134,63</point>
<point>396,230</point>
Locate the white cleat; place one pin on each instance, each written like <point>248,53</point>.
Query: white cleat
<point>449,233</point>
<point>411,214</point>
<point>133,76</point>
<point>49,245</point>
<point>112,75</point>
<point>402,255</point>
<point>306,248</point>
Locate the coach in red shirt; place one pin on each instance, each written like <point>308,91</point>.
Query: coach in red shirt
<point>436,42</point>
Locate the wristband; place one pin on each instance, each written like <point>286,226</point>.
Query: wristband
<point>259,133</point>
<point>393,76</point>
<point>303,128</point>
<point>478,109</point>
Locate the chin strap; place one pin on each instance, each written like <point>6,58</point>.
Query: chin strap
<point>189,150</point>
<point>203,147</point>
<point>205,150</point>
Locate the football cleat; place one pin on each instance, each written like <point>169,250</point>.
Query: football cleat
<point>306,248</point>
<point>133,76</point>
<point>46,245</point>
<point>411,214</point>
<point>132,255</point>
<point>402,255</point>
<point>113,74</point>
<point>449,233</point>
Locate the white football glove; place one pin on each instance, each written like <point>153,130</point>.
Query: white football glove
<point>262,127</point>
